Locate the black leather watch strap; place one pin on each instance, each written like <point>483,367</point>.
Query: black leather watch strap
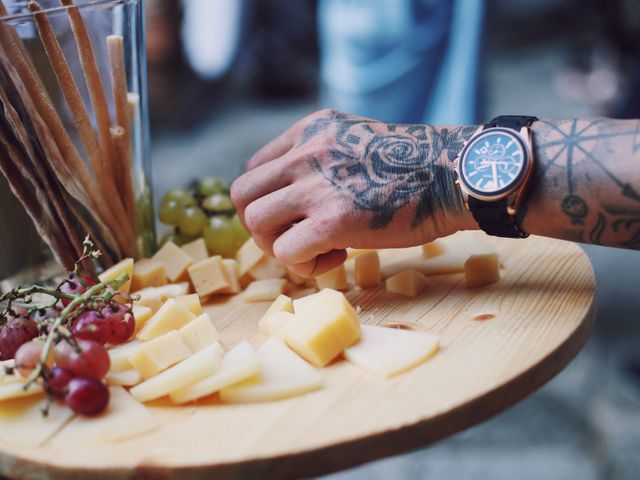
<point>493,217</point>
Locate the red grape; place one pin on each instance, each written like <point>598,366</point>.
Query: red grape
<point>44,314</point>
<point>28,356</point>
<point>57,381</point>
<point>72,286</point>
<point>87,396</point>
<point>121,320</point>
<point>90,325</point>
<point>91,361</point>
<point>14,334</point>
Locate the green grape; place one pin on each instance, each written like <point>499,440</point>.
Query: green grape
<point>218,235</point>
<point>180,195</point>
<point>182,239</point>
<point>166,238</point>
<point>211,185</point>
<point>170,212</point>
<point>240,234</point>
<point>217,203</point>
<point>191,222</point>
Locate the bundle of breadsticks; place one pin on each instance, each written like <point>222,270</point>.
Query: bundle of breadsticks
<point>69,190</point>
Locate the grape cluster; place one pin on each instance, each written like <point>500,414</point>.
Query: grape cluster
<point>203,211</point>
<point>62,344</point>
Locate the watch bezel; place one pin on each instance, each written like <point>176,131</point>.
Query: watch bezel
<point>505,191</point>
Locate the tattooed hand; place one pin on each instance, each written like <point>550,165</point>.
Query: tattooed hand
<point>335,181</point>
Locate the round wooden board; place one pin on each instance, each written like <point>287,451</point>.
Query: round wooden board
<point>543,308</point>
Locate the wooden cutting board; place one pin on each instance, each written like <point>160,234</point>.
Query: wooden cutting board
<point>539,316</point>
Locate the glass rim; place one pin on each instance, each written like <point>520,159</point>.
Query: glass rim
<point>62,8</point>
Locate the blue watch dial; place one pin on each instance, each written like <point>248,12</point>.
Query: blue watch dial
<point>493,162</point>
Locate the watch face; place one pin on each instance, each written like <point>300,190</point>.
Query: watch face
<point>493,162</point>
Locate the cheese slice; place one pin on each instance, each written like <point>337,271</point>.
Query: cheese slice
<point>148,273</point>
<point>367,270</point>
<point>159,354</point>
<point>126,378</point>
<point>191,302</point>
<point>197,250</point>
<point>124,418</point>
<point>141,314</point>
<point>199,333</point>
<point>171,316</point>
<point>209,276</point>
<point>335,279</point>
<point>232,274</point>
<point>9,391</point>
<point>389,351</point>
<point>22,423</point>
<point>409,283</point>
<point>195,368</point>
<point>265,290</point>
<point>123,267</point>
<point>154,297</point>
<point>249,254</point>
<point>268,267</point>
<point>481,270</point>
<point>239,364</point>
<point>119,356</point>
<point>175,261</point>
<point>273,323</point>
<point>283,374</point>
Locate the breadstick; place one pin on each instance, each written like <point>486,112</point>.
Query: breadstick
<point>122,147</point>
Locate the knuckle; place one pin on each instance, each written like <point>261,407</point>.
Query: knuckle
<point>237,192</point>
<point>253,218</point>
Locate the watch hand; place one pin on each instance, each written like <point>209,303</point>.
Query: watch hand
<point>494,171</point>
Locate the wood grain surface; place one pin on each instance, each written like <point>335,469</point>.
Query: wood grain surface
<point>539,316</point>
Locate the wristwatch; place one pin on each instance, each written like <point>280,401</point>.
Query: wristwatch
<point>494,169</point>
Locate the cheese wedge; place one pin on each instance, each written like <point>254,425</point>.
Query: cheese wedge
<point>170,316</point>
<point>268,267</point>
<point>22,423</point>
<point>119,356</point>
<point>335,279</point>
<point>208,276</point>
<point>239,364</point>
<point>481,270</point>
<point>265,290</point>
<point>232,274</point>
<point>126,378</point>
<point>409,283</point>
<point>273,323</point>
<point>159,354</point>
<point>191,302</point>
<point>9,391</point>
<point>249,254</point>
<point>154,297</point>
<point>124,418</point>
<point>141,314</point>
<point>175,261</point>
<point>283,374</point>
<point>199,333</point>
<point>197,250</point>
<point>148,273</point>
<point>390,351</point>
<point>123,267</point>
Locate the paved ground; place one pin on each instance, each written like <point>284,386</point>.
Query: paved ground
<point>585,424</point>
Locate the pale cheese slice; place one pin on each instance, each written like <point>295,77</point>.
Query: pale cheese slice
<point>268,267</point>
<point>141,314</point>
<point>123,418</point>
<point>123,267</point>
<point>126,378</point>
<point>265,290</point>
<point>389,351</point>
<point>335,279</point>
<point>119,356</point>
<point>273,323</point>
<point>199,333</point>
<point>154,297</point>
<point>9,391</point>
<point>283,374</point>
<point>171,316</point>
<point>23,424</point>
<point>195,368</point>
<point>197,250</point>
<point>239,364</point>
<point>191,302</point>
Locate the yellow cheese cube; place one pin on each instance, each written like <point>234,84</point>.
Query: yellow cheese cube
<point>249,254</point>
<point>189,371</point>
<point>325,325</point>
<point>141,314</point>
<point>355,252</point>
<point>208,276</point>
<point>335,279</point>
<point>123,267</point>
<point>480,270</point>
<point>119,356</point>
<point>154,297</point>
<point>197,250</point>
<point>409,283</point>
<point>263,290</point>
<point>159,354</point>
<point>126,378</point>
<point>171,316</point>
<point>175,261</point>
<point>268,267</point>
<point>281,304</point>
<point>199,333</point>
<point>232,271</point>
<point>367,270</point>
<point>191,303</point>
<point>273,323</point>
<point>148,273</point>
<point>433,249</point>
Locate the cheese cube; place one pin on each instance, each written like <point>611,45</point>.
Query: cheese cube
<point>175,261</point>
<point>304,292</point>
<point>356,252</point>
<point>335,279</point>
<point>208,276</point>
<point>367,270</point>
<point>171,316</point>
<point>264,290</point>
<point>197,250</point>
<point>119,356</point>
<point>281,304</point>
<point>195,368</point>
<point>123,267</point>
<point>249,254</point>
<point>409,283</point>
<point>159,354</point>
<point>191,303</point>
<point>148,273</point>
<point>199,333</point>
<point>325,325</point>
<point>239,364</point>
<point>268,267</point>
<point>141,314</point>
<point>154,297</point>
<point>480,270</point>
<point>389,351</point>
<point>126,378</point>
<point>273,323</point>
<point>283,374</point>
<point>232,271</point>
<point>433,249</point>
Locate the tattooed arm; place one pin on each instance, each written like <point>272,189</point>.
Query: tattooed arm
<point>335,181</point>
